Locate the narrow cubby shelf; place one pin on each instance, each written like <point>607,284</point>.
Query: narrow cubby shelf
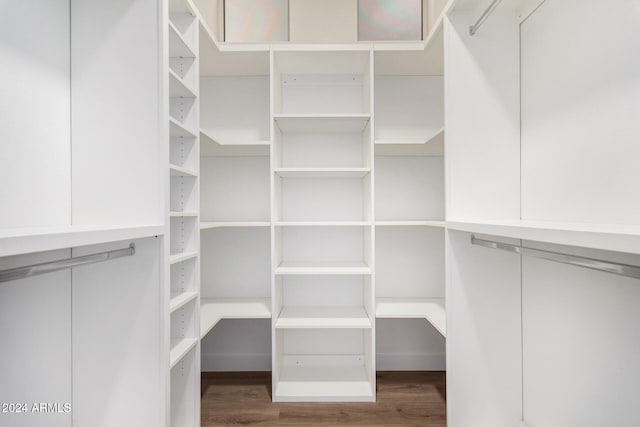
<point>180,347</point>
<point>175,258</point>
<point>322,172</point>
<point>213,310</point>
<point>323,318</point>
<point>430,309</point>
<point>322,223</point>
<point>178,47</point>
<point>208,225</point>
<point>183,214</point>
<point>178,88</point>
<point>338,383</point>
<point>179,299</point>
<point>322,122</point>
<point>322,268</point>
<point>175,170</point>
<point>178,129</point>
<point>417,223</point>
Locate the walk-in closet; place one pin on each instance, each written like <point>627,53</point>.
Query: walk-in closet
<point>423,212</point>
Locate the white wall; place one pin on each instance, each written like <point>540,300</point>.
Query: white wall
<point>580,109</point>
<point>118,121</point>
<point>35,151</point>
<point>326,21</point>
<point>482,117</point>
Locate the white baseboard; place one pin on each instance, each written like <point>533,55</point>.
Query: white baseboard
<point>235,362</point>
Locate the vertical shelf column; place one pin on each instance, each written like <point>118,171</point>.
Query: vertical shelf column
<point>183,216</point>
<point>322,224</point>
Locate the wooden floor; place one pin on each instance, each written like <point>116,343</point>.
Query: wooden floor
<point>244,399</point>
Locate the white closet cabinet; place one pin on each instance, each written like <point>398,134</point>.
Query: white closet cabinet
<point>540,153</point>
<point>80,170</point>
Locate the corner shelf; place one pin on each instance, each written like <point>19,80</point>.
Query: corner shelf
<point>431,146</point>
<point>343,123</point>
<point>322,268</point>
<point>180,347</point>
<point>213,310</point>
<point>431,309</point>
<point>209,146</point>
<point>323,318</point>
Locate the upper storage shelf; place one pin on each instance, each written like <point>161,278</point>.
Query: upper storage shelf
<point>28,240</point>
<point>313,80</point>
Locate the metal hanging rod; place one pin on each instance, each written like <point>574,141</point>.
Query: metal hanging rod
<point>594,264</point>
<point>475,27</point>
<point>49,267</point>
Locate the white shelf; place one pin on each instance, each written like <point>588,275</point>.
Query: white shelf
<point>322,223</point>
<point>182,256</point>
<point>180,299</point>
<point>178,47</point>
<point>343,123</point>
<point>207,225</point>
<point>209,146</point>
<point>611,237</point>
<point>322,172</point>
<point>16,241</point>
<point>426,223</point>
<point>176,214</point>
<point>322,268</point>
<point>180,171</point>
<point>178,129</point>
<point>180,347</point>
<point>323,383</point>
<point>431,146</point>
<point>213,310</point>
<point>431,309</point>
<point>323,318</point>
<point>177,87</point>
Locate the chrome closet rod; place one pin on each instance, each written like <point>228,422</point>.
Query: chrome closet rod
<point>475,27</point>
<point>49,267</point>
<point>592,263</point>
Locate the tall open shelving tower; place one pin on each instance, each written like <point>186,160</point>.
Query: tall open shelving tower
<point>322,224</point>
<point>183,210</point>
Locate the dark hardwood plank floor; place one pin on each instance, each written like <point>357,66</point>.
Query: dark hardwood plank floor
<point>244,399</point>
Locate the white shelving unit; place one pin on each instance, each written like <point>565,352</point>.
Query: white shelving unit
<point>184,208</point>
<point>410,215</point>
<point>322,233</point>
